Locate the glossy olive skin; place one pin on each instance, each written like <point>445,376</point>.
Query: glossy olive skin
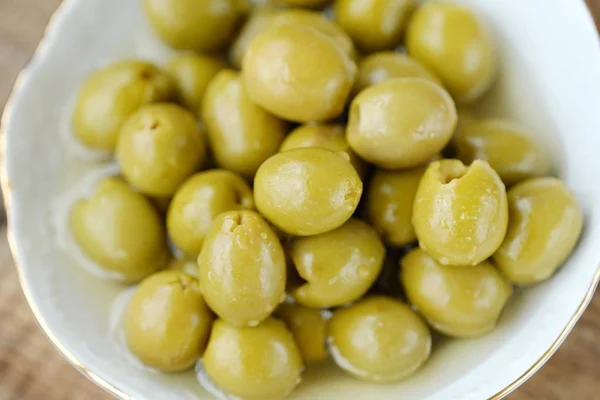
<point>544,226</point>
<point>506,146</point>
<point>258,21</point>
<point>458,302</point>
<point>338,266</point>
<point>309,329</point>
<point>260,363</point>
<point>460,213</point>
<point>327,136</point>
<point>379,67</point>
<point>389,204</point>
<point>374,25</point>
<point>307,191</point>
<point>401,122</point>
<point>188,266</point>
<point>267,16</point>
<point>242,268</point>
<point>303,3</point>
<point>298,73</point>
<point>317,21</point>
<point>192,73</point>
<point>455,45</point>
<point>206,25</point>
<point>120,230</point>
<point>159,147</point>
<point>167,322</point>
<point>110,95</point>
<point>241,134</point>
<point>197,203</point>
<point>379,339</point>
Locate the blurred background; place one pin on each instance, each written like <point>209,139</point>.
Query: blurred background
<point>31,369</point>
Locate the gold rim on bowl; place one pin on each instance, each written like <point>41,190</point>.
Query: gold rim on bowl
<point>101,382</point>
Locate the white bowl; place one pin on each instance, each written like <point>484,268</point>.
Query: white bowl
<point>550,81</point>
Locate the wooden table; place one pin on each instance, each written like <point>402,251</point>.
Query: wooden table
<point>31,369</point>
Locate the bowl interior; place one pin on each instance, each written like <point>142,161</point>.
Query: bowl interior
<point>550,81</point>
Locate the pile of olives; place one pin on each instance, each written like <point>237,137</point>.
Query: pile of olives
<point>295,187</point>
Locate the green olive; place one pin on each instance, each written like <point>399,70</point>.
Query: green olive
<point>544,226</point>
<point>258,22</point>
<point>190,267</point>
<point>327,136</point>
<point>298,73</point>
<point>460,213</point>
<point>385,65</point>
<point>401,122</point>
<point>304,3</point>
<point>379,339</point>
<point>241,134</point>
<point>319,22</point>
<point>260,363</point>
<point>456,46</point>
<point>374,25</point>
<point>389,204</point>
<point>309,328</point>
<point>120,230</point>
<point>110,95</point>
<point>167,322</point>
<point>197,203</point>
<point>205,25</point>
<point>459,302</point>
<point>268,16</point>
<point>338,266</point>
<point>242,268</point>
<point>159,147</point>
<point>508,148</point>
<point>307,191</point>
<point>192,73</point>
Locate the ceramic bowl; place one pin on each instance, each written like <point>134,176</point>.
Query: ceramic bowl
<point>550,81</point>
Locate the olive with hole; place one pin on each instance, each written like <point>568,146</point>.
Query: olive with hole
<point>268,363</point>
<point>242,268</point>
<point>339,266</point>
<point>460,212</point>
<point>545,223</point>
<point>204,26</point>
<point>389,204</point>
<point>298,73</point>
<point>374,25</point>
<point>450,40</point>
<point>241,134</point>
<point>159,147</point>
<point>307,191</point>
<point>401,122</point>
<point>507,146</point>
<point>167,322</point>
<point>379,339</point>
<point>458,302</point>
<point>385,65</point>
<point>111,94</point>
<point>197,203</point>
<point>309,328</point>
<point>327,136</point>
<point>120,230</point>
<point>192,73</point>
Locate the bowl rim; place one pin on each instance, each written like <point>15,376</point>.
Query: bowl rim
<point>110,388</point>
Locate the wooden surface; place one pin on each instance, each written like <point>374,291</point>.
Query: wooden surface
<point>31,369</point>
